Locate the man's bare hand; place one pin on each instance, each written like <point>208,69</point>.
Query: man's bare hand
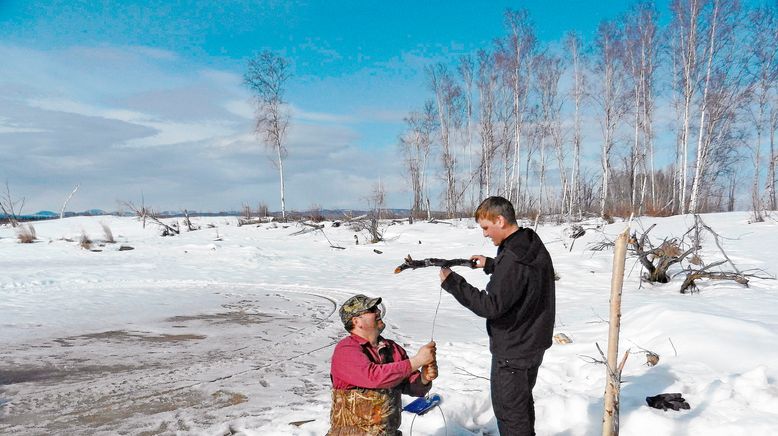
<point>429,372</point>
<point>444,272</point>
<point>425,356</point>
<point>480,261</point>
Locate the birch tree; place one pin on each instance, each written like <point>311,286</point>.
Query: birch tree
<point>448,98</point>
<point>771,175</point>
<point>574,45</point>
<point>722,99</point>
<point>266,77</point>
<point>549,70</point>
<point>518,50</point>
<point>415,146</point>
<point>686,65</point>
<point>487,94</point>
<point>762,43</point>
<point>9,207</point>
<point>640,56</point>
<point>610,95</point>
<point>467,71</point>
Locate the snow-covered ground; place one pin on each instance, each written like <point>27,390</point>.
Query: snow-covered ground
<point>229,330</point>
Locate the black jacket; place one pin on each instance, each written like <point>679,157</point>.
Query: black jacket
<point>519,301</point>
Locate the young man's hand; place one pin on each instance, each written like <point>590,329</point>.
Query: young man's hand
<point>480,261</point>
<point>444,272</point>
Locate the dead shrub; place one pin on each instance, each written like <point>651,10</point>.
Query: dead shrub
<point>85,242</point>
<point>657,211</point>
<point>107,234</point>
<point>669,249</point>
<point>262,210</point>
<point>315,213</point>
<point>26,234</point>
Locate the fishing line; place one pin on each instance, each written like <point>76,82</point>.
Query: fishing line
<point>432,338</point>
<point>445,425</point>
<point>435,318</point>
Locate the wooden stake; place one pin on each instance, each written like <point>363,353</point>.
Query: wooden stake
<point>610,419</point>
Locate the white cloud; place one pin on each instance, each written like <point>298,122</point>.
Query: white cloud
<point>241,108</point>
<point>8,126</point>
<point>302,115</point>
<point>126,120</point>
<point>81,108</point>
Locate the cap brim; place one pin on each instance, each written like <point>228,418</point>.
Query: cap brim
<point>373,302</point>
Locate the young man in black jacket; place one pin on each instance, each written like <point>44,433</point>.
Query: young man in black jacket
<point>519,307</point>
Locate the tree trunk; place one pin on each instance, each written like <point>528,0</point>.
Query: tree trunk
<point>281,177</point>
<point>610,420</point>
<point>773,161</point>
<point>702,146</point>
<point>65,204</point>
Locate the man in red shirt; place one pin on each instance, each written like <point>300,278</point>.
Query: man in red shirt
<point>369,373</point>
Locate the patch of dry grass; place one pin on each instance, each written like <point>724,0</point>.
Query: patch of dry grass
<point>85,242</point>
<point>26,234</point>
<point>108,234</point>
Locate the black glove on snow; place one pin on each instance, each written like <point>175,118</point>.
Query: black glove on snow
<point>667,401</point>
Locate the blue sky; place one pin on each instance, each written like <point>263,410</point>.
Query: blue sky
<point>131,97</point>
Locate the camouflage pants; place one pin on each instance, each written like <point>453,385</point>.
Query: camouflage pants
<point>365,412</point>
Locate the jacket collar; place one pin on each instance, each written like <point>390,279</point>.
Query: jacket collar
<point>362,341</point>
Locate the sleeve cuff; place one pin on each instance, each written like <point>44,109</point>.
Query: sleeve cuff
<point>450,281</point>
<point>489,266</point>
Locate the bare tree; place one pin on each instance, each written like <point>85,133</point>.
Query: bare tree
<point>534,135</point>
<point>686,64</point>
<point>377,200</point>
<point>487,95</point>
<point>771,176</point>
<point>610,96</point>
<point>574,47</point>
<point>549,70</point>
<point>722,99</point>
<point>762,43</point>
<point>9,207</point>
<point>467,70</point>
<point>448,97</point>
<point>64,205</point>
<point>415,146</point>
<point>142,213</point>
<point>517,51</point>
<point>266,76</point>
<point>640,56</point>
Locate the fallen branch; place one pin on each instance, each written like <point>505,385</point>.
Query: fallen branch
<point>249,221</point>
<point>309,229</point>
<point>188,223</point>
<point>689,284</point>
<point>430,261</point>
<point>143,213</point>
<point>718,244</point>
<point>435,221</point>
<point>355,218</point>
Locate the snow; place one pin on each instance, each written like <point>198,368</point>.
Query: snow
<point>230,329</point>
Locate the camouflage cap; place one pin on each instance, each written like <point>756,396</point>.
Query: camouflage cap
<point>357,305</point>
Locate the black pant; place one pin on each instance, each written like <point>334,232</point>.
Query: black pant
<point>512,381</point>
